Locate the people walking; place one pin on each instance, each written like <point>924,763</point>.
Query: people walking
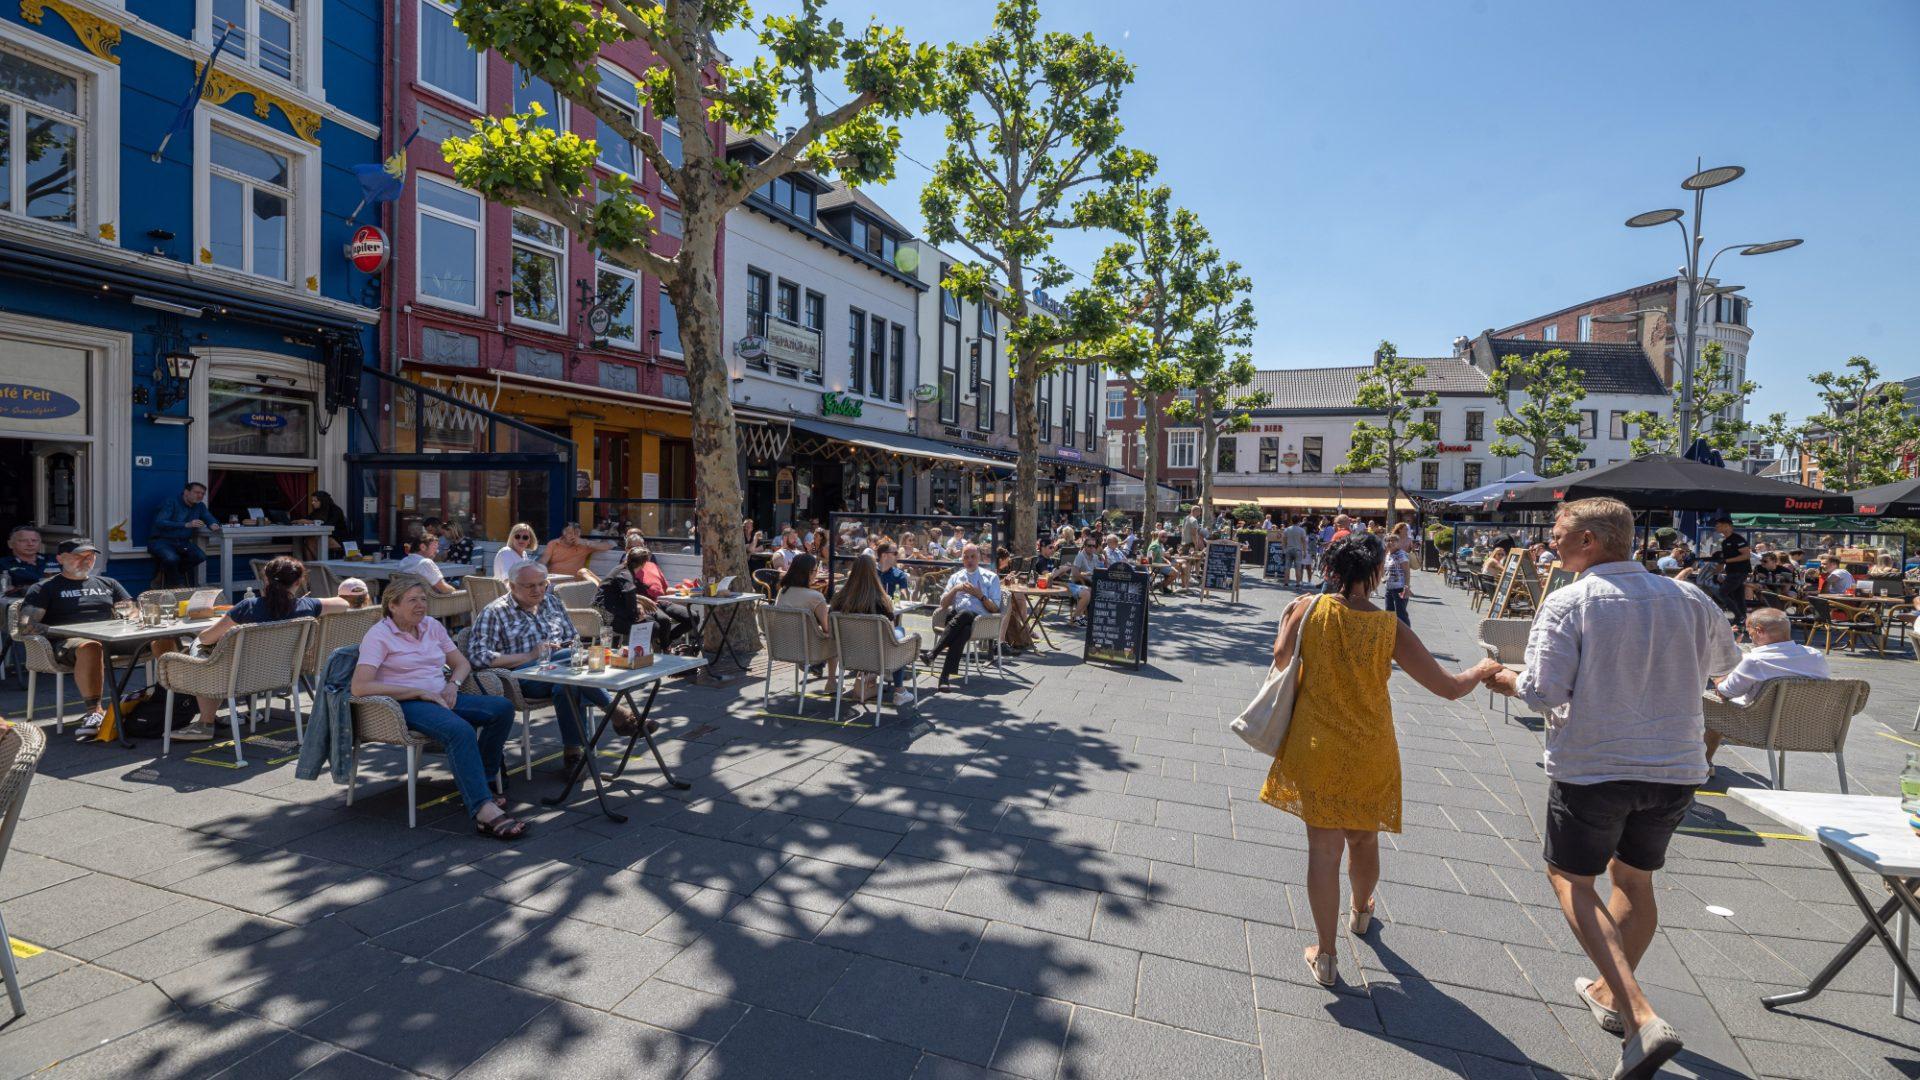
<point>1339,769</point>
<point>1617,660</point>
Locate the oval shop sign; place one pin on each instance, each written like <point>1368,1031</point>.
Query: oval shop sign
<point>265,421</point>
<point>19,401</point>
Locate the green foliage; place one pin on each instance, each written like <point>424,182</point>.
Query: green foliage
<point>1247,513</point>
<point>1715,392</point>
<point>1863,431</point>
<point>1211,361</point>
<point>1441,536</point>
<point>1402,433</point>
<point>1543,425</point>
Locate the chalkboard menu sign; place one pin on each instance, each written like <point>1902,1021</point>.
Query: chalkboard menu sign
<point>1556,578</point>
<point>1117,616</point>
<point>1222,568</point>
<point>1509,577</point>
<point>1276,564</point>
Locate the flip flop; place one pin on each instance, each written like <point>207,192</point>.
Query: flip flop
<point>1608,1019</point>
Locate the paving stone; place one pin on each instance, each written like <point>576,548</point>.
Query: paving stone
<point>768,1043</point>
<point>1123,1048</point>
<point>1199,936</point>
<point>73,909</point>
<point>1493,1025</point>
<point>1197,998</point>
<point>566,1040</point>
<point>26,873</point>
<point>1152,842</point>
<point>1033,1038</point>
<point>297,994</point>
<point>582,962</point>
<point>466,1014</point>
<point>908,880</point>
<point>187,944</point>
<point>907,933</point>
<point>34,1046</point>
<point>941,1014</point>
<point>833,841</point>
<point>1057,909</point>
<point>813,884</point>
<point>693,1013</point>
<point>199,1043</point>
<point>1297,1049</point>
<point>1048,965</point>
<point>758,968</point>
<point>714,864</point>
<point>1230,894</point>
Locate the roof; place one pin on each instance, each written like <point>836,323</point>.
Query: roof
<point>1664,283</point>
<point>1334,388</point>
<point>1605,367</point>
<point>840,196</point>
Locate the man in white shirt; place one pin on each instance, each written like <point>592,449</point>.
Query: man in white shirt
<point>1616,661</point>
<point>1835,579</point>
<point>1299,564</point>
<point>972,591</point>
<point>1775,655</point>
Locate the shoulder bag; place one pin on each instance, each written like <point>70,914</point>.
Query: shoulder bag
<point>1264,722</point>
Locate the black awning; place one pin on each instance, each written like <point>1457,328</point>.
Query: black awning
<point>1664,482</point>
<point>897,442</point>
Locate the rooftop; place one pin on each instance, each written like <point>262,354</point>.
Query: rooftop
<point>1330,388</point>
<point>1605,367</point>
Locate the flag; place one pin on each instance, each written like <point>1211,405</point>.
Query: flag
<point>184,117</point>
<point>382,182</point>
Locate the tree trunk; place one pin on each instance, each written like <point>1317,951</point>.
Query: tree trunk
<point>1393,485</point>
<point>1209,438</point>
<point>1150,508</point>
<point>1024,521</point>
<point>718,501</point>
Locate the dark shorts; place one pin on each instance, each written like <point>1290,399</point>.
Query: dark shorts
<point>1589,825</point>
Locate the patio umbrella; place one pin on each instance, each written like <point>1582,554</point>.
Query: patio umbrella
<point>1898,499</point>
<point>1665,482</point>
<point>1478,497</point>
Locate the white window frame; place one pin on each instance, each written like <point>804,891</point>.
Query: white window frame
<point>639,308</point>
<point>16,196</point>
<point>308,27</point>
<point>662,350</point>
<point>330,448</point>
<point>303,212</point>
<point>1116,404</point>
<point>1586,328</point>
<point>479,226</point>
<point>419,76</point>
<point>514,240</point>
<point>562,108</point>
<point>637,111</point>
<point>99,186</point>
<point>1551,332</point>
<point>110,415</point>
<point>296,18</point>
<point>1183,448</point>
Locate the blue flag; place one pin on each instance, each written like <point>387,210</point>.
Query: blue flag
<point>184,117</point>
<point>382,182</point>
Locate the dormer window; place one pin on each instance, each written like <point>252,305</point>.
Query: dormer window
<point>789,195</point>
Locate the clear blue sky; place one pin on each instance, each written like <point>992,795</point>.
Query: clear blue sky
<point>1417,170</point>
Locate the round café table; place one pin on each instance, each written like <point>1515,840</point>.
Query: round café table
<point>1037,600</point>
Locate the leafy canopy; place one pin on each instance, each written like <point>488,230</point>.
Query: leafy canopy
<point>1863,434</point>
<point>1391,389</point>
<point>1716,398</point>
<point>1544,425</point>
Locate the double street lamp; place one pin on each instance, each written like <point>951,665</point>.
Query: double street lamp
<point>1698,279</point>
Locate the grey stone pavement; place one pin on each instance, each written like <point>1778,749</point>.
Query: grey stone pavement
<point>1059,872</point>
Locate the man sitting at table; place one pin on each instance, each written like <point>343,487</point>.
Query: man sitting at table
<point>526,626</point>
<point>568,554</point>
<point>1775,655</point>
<point>173,539</point>
<point>1835,580</point>
<point>73,597</point>
<point>972,591</point>
<point>892,577</point>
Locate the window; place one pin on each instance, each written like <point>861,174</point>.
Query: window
<point>1226,455</point>
<point>40,127</point>
<point>1044,395</point>
<point>1182,449</point>
<point>789,194</point>
<point>1312,448</point>
<point>618,92</point>
<point>1090,439</point>
<point>1269,453</point>
<point>1551,333</point>
<point>1088,417</point>
<point>1432,416</point>
<point>1589,422</point>
<point>233,402</point>
<point>669,148</point>
<point>1586,328</point>
<point>669,340</point>
<point>539,267</point>
<point>1730,309</point>
<point>1476,425</point>
<point>989,320</point>
<point>814,315</point>
<point>249,192</point>
<point>1583,464</point>
<point>898,347</point>
<point>446,63</point>
<point>877,358</point>
<point>949,300</point>
<point>530,90</point>
<point>1116,404</point>
<point>1140,408</point>
<point>984,388</point>
<point>758,285</point>
<point>1470,475</point>
<point>857,349</point>
<point>619,289</point>
<point>449,243</point>
<point>262,33</point>
<point>787,302</point>
<point>1617,424</point>
<point>1429,476</point>
<point>1520,336</point>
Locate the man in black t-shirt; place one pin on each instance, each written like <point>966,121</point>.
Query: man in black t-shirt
<point>1736,562</point>
<point>74,597</point>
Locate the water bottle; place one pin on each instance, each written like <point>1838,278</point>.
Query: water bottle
<point>1910,790</point>
<point>249,595</point>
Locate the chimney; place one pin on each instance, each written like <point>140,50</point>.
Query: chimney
<point>1462,346</point>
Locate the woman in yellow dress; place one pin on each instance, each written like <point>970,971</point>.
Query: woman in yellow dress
<point>1339,769</point>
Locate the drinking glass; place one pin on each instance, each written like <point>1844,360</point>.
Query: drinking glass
<point>577,659</point>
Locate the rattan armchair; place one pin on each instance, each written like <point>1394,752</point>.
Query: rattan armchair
<point>378,719</point>
<point>576,594</point>
<point>509,688</point>
<point>1505,640</point>
<point>793,637</point>
<point>20,748</point>
<point>1792,714</point>
<point>331,631</point>
<point>865,645</point>
<point>253,659</point>
<point>484,590</point>
<point>457,604</point>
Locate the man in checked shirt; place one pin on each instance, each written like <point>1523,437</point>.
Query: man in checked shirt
<point>527,626</point>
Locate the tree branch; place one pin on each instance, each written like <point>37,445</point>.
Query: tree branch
<point>784,160</point>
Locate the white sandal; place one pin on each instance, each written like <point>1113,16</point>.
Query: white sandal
<point>1359,921</point>
<point>1322,966</point>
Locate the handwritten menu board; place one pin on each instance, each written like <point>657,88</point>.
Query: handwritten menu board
<point>1222,569</point>
<point>1557,577</point>
<point>1117,617</point>
<point>1503,592</point>
<point>1276,564</point>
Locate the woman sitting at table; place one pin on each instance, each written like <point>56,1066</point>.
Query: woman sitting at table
<point>631,595</point>
<point>1496,563</point>
<point>1013,630</point>
<point>408,656</point>
<point>322,510</point>
<point>282,581</point>
<point>420,562</point>
<point>797,593</point>
<point>864,595</point>
<point>454,543</point>
<point>518,549</point>
<point>1884,567</point>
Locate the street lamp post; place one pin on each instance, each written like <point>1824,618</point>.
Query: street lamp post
<point>1694,241</point>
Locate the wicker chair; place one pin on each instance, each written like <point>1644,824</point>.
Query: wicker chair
<point>576,594</point>
<point>866,645</point>
<point>257,658</point>
<point>484,590</point>
<point>378,719</point>
<point>987,631</point>
<point>331,631</point>
<point>1505,640</point>
<point>442,606</point>
<point>20,749</point>
<point>1792,714</point>
<point>768,581</point>
<point>793,637</point>
<point>322,582</point>
<point>587,621</point>
<point>1851,621</point>
<point>509,688</point>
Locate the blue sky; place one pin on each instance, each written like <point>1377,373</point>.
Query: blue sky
<point>1417,170</point>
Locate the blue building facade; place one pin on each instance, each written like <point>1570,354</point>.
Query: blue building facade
<point>225,256</point>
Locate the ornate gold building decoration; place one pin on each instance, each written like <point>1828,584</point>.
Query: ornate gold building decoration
<point>222,88</point>
<point>98,35</point>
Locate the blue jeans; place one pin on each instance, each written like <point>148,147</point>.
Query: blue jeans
<point>572,727</point>
<point>177,558</point>
<point>1397,603</point>
<point>474,732</point>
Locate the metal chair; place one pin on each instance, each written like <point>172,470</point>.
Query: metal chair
<point>378,719</point>
<point>793,637</point>
<point>1850,621</point>
<point>1505,640</point>
<point>322,582</point>
<point>768,580</point>
<point>20,748</point>
<point>1792,714</point>
<point>866,646</point>
<point>254,659</point>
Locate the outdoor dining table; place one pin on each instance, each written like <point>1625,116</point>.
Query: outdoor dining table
<point>229,534</point>
<point>382,569</point>
<point>724,609</point>
<point>116,633</point>
<point>620,684</point>
<point>1037,600</point>
<point>1871,832</point>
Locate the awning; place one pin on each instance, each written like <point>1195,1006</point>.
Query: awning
<point>1314,498</point>
<point>894,442</point>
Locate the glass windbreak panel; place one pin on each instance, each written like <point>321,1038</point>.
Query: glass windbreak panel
<point>664,523</point>
<point>928,547</point>
<point>251,419</point>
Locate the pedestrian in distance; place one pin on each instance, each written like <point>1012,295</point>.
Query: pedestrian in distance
<point>1339,768</point>
<point>1616,662</point>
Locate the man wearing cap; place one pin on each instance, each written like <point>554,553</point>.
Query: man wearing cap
<point>73,597</point>
<point>172,541</point>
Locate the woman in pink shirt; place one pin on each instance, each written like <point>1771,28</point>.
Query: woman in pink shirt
<point>408,656</point>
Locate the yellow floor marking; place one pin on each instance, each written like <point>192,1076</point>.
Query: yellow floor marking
<point>1744,832</point>
<point>1714,794</point>
<point>24,949</point>
<point>1897,738</point>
